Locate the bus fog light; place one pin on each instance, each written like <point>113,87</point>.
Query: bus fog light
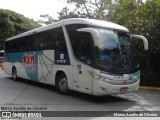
<point>137,78</point>
<point>103,89</point>
<point>105,80</point>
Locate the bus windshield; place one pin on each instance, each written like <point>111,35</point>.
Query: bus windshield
<point>114,50</point>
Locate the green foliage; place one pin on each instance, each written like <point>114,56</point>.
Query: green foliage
<point>83,9</point>
<point>97,9</point>
<point>142,18</point>
<point>65,13</point>
<point>48,20</point>
<point>12,23</point>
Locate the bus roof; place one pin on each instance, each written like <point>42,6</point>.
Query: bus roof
<point>93,22</point>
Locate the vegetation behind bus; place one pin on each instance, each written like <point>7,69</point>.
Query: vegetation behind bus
<point>12,23</point>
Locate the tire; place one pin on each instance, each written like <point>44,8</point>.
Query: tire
<point>62,84</point>
<point>14,74</point>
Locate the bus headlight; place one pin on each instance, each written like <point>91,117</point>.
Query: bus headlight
<point>106,80</point>
<point>137,78</point>
<point>100,78</point>
<point>96,76</point>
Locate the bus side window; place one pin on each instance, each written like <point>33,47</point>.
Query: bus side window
<point>81,43</point>
<point>13,45</point>
<point>85,48</point>
<point>58,40</point>
<point>74,37</point>
<point>7,46</point>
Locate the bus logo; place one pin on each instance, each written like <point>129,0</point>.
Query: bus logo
<point>131,76</point>
<point>6,115</point>
<point>29,60</point>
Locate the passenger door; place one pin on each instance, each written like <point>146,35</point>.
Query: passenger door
<point>81,43</point>
<point>84,69</point>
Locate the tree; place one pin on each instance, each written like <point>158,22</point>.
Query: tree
<point>65,13</point>
<point>49,19</point>
<point>98,9</point>
<point>87,9</point>
<point>12,23</point>
<point>142,18</point>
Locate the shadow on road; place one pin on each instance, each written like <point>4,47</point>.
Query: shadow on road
<point>110,103</point>
<point>94,99</point>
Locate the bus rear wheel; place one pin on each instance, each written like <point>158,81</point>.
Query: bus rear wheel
<point>14,74</point>
<point>62,84</point>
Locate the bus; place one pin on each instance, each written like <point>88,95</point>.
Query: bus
<point>86,55</point>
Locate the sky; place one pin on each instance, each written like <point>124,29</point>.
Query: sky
<point>34,8</point>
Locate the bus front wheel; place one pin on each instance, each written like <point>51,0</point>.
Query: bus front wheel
<point>14,74</point>
<point>62,84</point>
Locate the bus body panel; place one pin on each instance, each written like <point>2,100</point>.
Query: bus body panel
<point>8,68</point>
<point>108,84</point>
<point>100,88</point>
<point>41,69</point>
<point>84,78</point>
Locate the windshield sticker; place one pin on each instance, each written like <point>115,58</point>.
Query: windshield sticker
<point>79,67</point>
<point>105,31</point>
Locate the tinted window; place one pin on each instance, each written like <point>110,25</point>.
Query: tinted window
<point>50,39</point>
<point>23,44</point>
<point>58,40</point>
<point>81,43</point>
<point>11,46</point>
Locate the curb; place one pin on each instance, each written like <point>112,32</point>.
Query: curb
<point>149,88</point>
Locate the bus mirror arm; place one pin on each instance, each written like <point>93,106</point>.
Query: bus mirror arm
<point>145,41</point>
<point>94,33</point>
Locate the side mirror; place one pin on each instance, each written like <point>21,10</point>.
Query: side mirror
<point>94,33</point>
<point>145,41</point>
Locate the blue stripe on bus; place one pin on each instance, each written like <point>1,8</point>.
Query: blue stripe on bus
<point>111,73</point>
<point>135,74</point>
<point>28,60</point>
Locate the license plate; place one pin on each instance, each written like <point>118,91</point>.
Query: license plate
<point>124,89</point>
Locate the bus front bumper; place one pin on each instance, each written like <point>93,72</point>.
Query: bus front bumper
<point>101,88</point>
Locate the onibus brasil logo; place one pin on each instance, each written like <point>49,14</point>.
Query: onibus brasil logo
<point>29,60</point>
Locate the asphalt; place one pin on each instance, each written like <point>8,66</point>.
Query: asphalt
<point>24,94</point>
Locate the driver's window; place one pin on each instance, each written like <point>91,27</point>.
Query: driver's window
<point>85,48</point>
<point>81,42</point>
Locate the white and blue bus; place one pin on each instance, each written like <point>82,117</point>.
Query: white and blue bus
<point>90,56</point>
